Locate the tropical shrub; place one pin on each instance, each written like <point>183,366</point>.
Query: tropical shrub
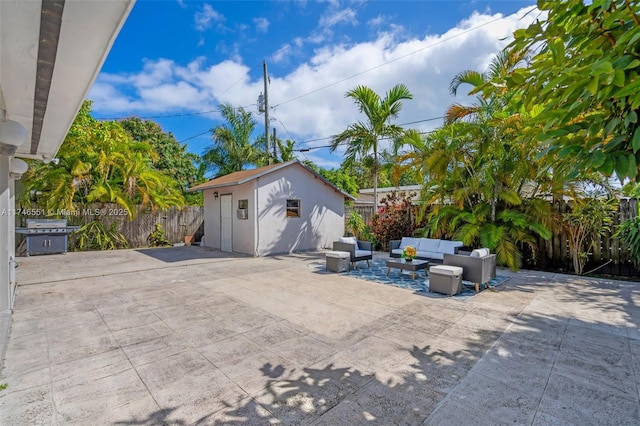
<point>355,224</point>
<point>95,236</point>
<point>394,220</point>
<point>589,220</point>
<point>629,234</point>
<point>157,237</point>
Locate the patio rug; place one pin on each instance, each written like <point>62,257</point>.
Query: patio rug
<point>378,273</point>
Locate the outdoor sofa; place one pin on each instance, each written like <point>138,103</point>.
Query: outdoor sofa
<point>427,248</point>
<point>478,267</point>
<point>358,250</point>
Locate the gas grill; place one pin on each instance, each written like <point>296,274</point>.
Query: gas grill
<point>46,236</point>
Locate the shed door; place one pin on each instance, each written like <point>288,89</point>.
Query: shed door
<point>226,223</point>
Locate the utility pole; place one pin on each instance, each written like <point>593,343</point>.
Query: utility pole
<point>275,145</point>
<point>266,108</point>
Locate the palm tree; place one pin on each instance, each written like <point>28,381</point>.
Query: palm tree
<point>100,163</point>
<point>232,148</point>
<point>364,137</point>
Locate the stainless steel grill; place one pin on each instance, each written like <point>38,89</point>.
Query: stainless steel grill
<point>46,236</point>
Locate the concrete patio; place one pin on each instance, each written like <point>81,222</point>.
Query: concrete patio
<point>186,335</point>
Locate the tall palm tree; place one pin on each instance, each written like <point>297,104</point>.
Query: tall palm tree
<point>100,163</point>
<point>232,148</point>
<point>364,137</point>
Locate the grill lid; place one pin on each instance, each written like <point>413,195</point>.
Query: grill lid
<point>46,223</point>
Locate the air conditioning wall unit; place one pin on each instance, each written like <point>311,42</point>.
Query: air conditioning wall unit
<point>243,213</point>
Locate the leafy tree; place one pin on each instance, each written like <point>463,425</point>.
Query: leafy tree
<point>339,177</point>
<point>480,184</point>
<point>169,157</point>
<point>232,148</point>
<point>582,83</point>
<point>285,149</point>
<point>355,224</point>
<point>629,234</point>
<point>394,219</point>
<point>100,163</point>
<point>363,138</point>
<point>589,219</point>
<point>343,180</point>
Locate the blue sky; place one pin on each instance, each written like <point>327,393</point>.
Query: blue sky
<point>176,61</point>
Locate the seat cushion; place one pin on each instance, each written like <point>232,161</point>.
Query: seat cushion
<point>348,240</point>
<point>409,241</point>
<point>428,244</point>
<point>482,252</point>
<point>399,252</point>
<point>362,253</point>
<point>445,270</point>
<point>447,246</point>
<point>434,255</point>
<point>338,254</point>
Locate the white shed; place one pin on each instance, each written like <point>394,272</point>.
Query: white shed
<point>280,208</point>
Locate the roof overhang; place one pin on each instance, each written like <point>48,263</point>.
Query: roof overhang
<point>231,180</point>
<point>51,52</point>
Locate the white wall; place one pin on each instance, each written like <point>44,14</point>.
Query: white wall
<point>322,212</point>
<point>211,219</point>
<point>243,230</point>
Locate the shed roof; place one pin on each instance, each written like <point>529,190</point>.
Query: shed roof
<point>243,176</point>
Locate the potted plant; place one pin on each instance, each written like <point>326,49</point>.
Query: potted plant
<point>409,253</point>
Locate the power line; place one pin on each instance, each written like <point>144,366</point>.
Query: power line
<point>382,65</point>
<point>330,137</point>
<point>394,60</point>
<point>327,25</point>
<point>193,137</point>
<point>402,124</point>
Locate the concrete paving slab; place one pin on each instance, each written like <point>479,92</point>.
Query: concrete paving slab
<point>195,336</point>
<point>576,402</point>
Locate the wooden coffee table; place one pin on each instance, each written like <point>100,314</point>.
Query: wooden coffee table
<point>413,266</point>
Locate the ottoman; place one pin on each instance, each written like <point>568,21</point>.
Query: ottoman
<point>338,261</point>
<point>445,279</point>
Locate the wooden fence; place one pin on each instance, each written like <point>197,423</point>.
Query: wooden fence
<point>176,222</point>
<point>610,256</point>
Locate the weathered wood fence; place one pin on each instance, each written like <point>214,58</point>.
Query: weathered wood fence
<point>610,256</point>
<point>176,222</point>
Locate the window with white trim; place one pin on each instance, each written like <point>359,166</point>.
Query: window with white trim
<point>293,208</point>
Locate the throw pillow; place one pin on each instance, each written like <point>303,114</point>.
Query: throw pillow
<point>348,240</point>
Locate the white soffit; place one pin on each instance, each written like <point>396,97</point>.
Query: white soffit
<point>87,31</point>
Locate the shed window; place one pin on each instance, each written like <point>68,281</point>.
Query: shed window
<point>293,208</point>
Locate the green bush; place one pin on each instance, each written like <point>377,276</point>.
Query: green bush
<point>629,234</point>
<point>157,237</point>
<point>394,220</point>
<point>94,236</point>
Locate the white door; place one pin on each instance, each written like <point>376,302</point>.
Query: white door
<point>226,223</point>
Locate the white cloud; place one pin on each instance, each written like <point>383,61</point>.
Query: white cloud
<point>333,17</point>
<point>310,100</point>
<point>376,22</point>
<point>205,18</point>
<point>262,24</point>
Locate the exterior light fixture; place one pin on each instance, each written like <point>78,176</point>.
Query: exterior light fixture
<point>17,168</point>
<point>12,135</point>
<point>215,195</point>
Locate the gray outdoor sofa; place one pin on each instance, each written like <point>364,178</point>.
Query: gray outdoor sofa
<point>358,250</point>
<point>427,248</point>
<point>479,267</point>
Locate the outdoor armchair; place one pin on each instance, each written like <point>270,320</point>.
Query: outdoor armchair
<point>358,250</point>
<point>478,268</point>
